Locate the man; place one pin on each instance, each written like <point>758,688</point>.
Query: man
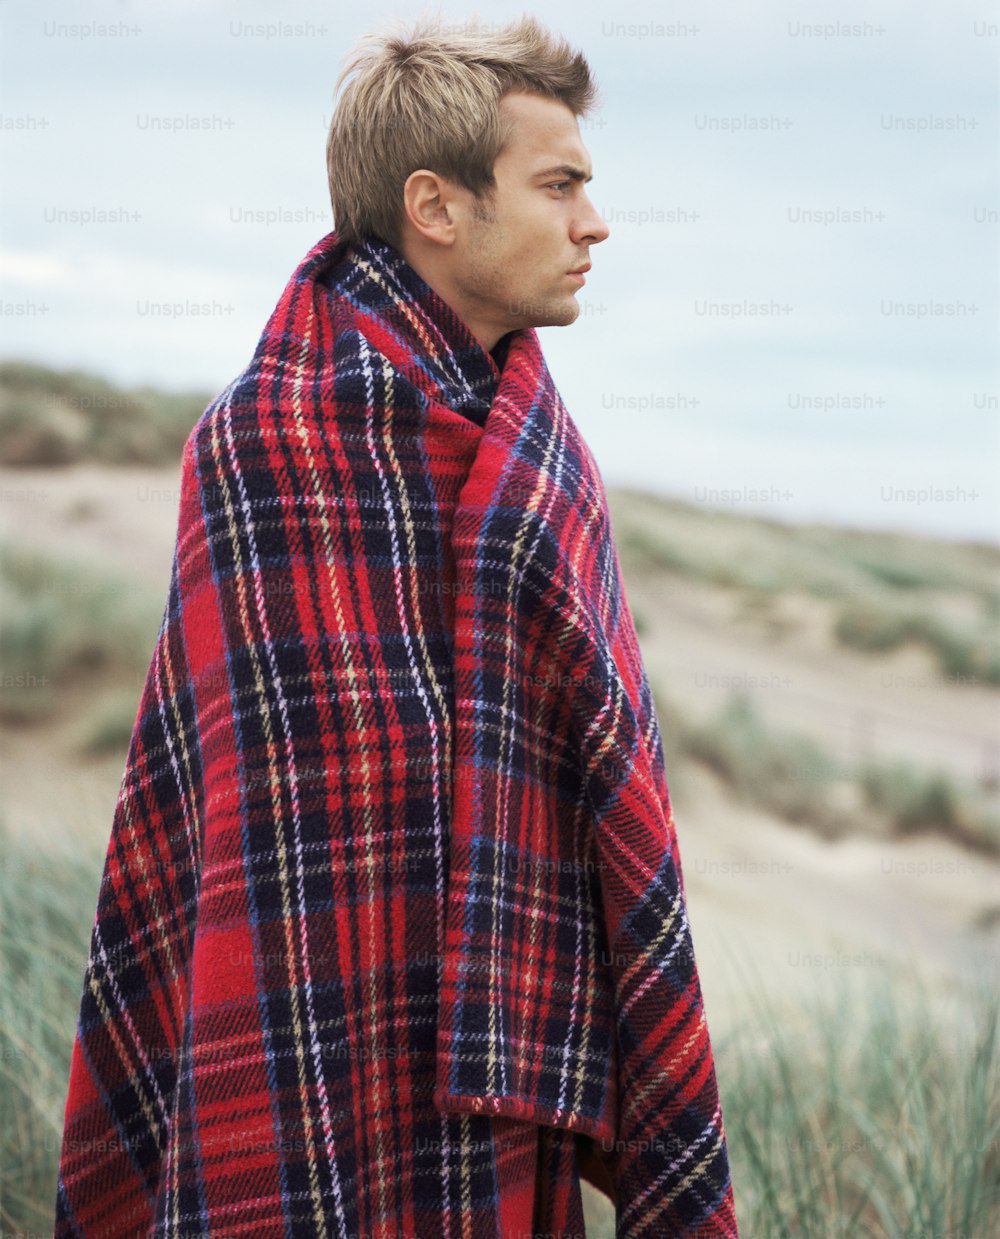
<point>392,939</point>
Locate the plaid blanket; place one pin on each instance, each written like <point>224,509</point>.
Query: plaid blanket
<point>393,883</point>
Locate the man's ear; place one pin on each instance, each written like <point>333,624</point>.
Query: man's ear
<point>428,201</point>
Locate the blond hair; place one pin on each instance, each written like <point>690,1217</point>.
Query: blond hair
<point>430,98</point>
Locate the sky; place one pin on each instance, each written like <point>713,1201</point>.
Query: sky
<point>795,314</point>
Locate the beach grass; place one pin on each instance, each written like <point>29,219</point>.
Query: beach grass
<point>67,625</point>
<point>873,1113</point>
<point>883,590</point>
<point>59,417</point>
<point>867,1112</point>
<point>789,774</point>
<point>47,904</point>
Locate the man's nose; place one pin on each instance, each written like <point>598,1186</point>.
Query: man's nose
<point>592,225</point>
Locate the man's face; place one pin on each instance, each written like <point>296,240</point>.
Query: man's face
<point>514,252</point>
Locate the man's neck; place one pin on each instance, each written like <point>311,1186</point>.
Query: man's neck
<point>488,335</point>
<point>499,350</point>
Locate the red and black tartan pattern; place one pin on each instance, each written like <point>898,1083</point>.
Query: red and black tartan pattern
<point>392,911</point>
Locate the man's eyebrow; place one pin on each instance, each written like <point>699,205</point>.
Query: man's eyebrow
<point>568,170</point>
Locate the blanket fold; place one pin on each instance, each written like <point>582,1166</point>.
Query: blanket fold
<point>393,857</point>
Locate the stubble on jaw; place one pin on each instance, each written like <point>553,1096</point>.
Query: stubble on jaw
<point>488,272</point>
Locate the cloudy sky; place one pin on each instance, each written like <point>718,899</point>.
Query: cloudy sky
<point>795,313</point>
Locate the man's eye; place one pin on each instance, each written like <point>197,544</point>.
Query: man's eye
<point>558,184</point>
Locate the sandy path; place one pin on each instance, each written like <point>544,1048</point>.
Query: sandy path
<point>121,520</point>
<point>888,707</point>
<point>771,901</point>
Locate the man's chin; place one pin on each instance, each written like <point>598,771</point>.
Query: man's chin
<point>572,313</point>
<point>559,313</point>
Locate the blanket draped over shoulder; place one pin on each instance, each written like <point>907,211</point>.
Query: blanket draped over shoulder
<point>393,856</point>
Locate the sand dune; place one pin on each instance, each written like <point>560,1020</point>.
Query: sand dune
<point>764,896</point>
